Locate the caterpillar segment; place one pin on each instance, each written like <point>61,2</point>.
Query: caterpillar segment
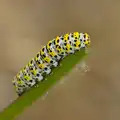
<point>35,70</point>
<point>17,84</point>
<point>59,46</point>
<point>47,58</point>
<point>68,45</point>
<point>52,51</point>
<point>20,84</point>
<point>42,65</point>
<point>86,39</point>
<point>28,79</point>
<point>75,39</point>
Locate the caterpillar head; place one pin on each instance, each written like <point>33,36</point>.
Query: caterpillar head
<point>85,40</point>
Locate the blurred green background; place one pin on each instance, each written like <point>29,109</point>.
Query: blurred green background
<point>26,25</point>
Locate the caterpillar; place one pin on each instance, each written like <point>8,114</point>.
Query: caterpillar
<point>47,58</point>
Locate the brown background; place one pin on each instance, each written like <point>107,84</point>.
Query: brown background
<point>26,25</point>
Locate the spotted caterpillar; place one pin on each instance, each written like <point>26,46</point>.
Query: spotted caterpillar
<point>47,58</point>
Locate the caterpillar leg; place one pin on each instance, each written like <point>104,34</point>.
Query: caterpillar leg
<point>55,64</point>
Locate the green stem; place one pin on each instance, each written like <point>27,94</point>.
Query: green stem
<point>34,93</point>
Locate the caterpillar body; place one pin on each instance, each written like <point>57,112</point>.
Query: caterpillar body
<point>47,58</point>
